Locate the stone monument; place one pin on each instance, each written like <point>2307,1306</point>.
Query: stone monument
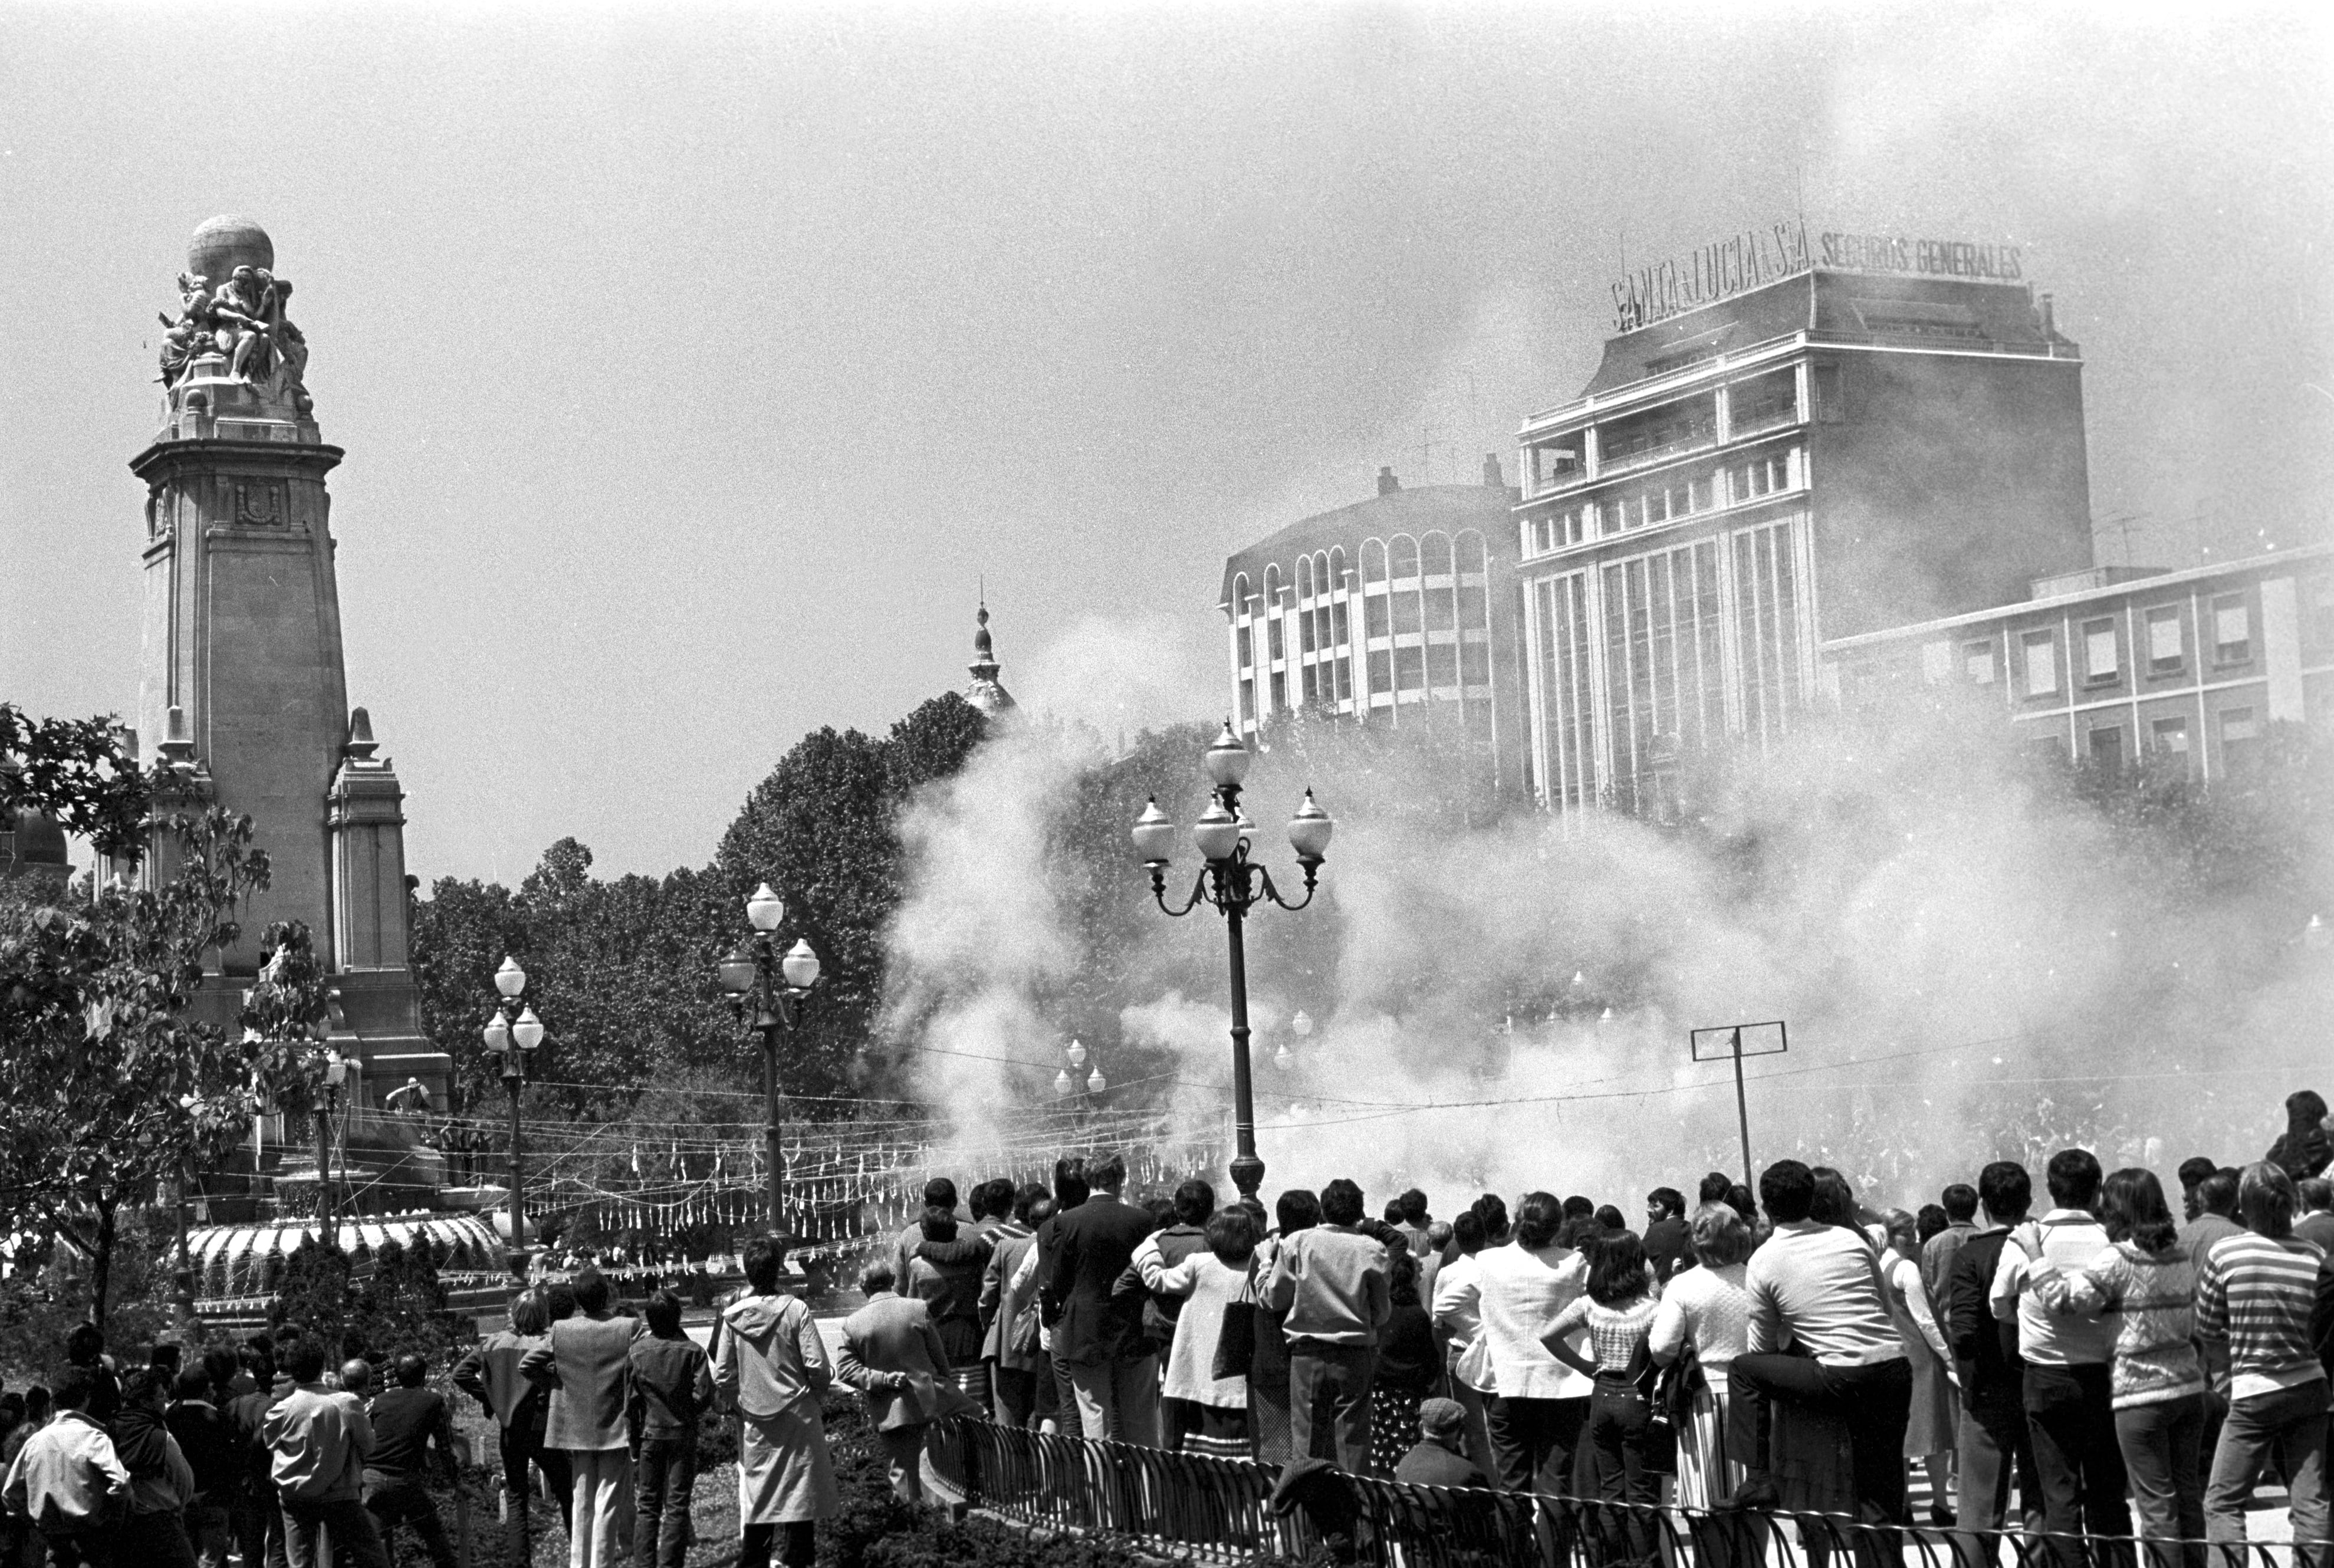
<point>242,679</point>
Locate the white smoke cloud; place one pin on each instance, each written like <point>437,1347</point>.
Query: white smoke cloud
<point>1972,967</point>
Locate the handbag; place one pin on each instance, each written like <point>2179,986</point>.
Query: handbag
<point>1235,1335</point>
<point>1660,1425</point>
<point>1473,1367</point>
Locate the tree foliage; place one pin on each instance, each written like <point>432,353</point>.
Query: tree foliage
<point>77,772</point>
<point>111,1090</point>
<point>622,971</point>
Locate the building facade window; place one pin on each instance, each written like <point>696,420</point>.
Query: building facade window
<point>1763,402</point>
<point>2100,663</point>
<point>2107,748</point>
<point>2166,648</point>
<point>1936,662</point>
<point>2239,740</point>
<point>1568,723</point>
<point>2169,737</point>
<point>2232,629</point>
<point>1761,476</point>
<point>1684,644</point>
<point>1977,662</point>
<point>2039,650</point>
<point>1823,384</point>
<point>1636,439</point>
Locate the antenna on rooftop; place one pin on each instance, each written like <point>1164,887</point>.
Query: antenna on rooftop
<point>2121,523</point>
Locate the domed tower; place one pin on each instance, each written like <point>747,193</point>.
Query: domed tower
<point>242,675</point>
<point>985,692</point>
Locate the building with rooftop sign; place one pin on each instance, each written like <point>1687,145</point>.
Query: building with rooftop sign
<point>1779,450</point>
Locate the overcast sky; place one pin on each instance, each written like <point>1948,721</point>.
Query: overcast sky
<point>693,364</point>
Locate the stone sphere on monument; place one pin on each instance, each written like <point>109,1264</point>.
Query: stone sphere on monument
<point>226,243</point>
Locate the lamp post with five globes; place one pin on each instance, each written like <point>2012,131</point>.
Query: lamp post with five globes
<point>1233,886</point>
<point>776,987</point>
<point>512,1034</point>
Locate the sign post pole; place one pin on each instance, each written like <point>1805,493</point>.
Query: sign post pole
<point>1743,1114</point>
<point>1725,1041</point>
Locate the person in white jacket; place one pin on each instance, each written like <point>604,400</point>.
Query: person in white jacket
<point>1457,1306</point>
<point>1541,1404</point>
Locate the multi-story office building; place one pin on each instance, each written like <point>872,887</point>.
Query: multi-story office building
<point>2179,670</point>
<point>1801,473</point>
<point>1400,608</point>
<point>1815,457</point>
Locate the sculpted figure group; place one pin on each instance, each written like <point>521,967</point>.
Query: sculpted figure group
<point>243,320</point>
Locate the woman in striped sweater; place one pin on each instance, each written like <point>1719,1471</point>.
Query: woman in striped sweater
<point>2254,1293</point>
<point>2147,1286</point>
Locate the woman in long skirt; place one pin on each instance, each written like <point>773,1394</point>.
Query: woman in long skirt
<point>1708,1308</point>
<point>771,1367</point>
<point>1214,1410</point>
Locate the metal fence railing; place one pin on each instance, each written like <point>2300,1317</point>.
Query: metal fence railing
<point>1222,1511</point>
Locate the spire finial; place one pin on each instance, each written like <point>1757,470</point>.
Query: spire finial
<point>985,692</point>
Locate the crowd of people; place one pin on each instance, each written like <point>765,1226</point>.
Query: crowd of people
<point>2105,1367</point>
<point>2108,1371</point>
<point>254,1450</point>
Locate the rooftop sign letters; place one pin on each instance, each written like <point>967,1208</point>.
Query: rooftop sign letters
<point>1757,257</point>
<point>1708,273</point>
<point>1938,258</point>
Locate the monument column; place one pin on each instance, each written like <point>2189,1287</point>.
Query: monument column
<point>242,619</point>
<point>243,673</point>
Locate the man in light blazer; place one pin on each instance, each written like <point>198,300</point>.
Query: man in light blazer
<point>892,1353</point>
<point>586,1365</point>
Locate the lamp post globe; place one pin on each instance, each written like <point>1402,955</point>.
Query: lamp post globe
<point>800,966</point>
<point>737,971</point>
<point>1302,1024</point>
<point>1062,1087</point>
<point>1076,1054</point>
<point>528,1031</point>
<point>764,908</point>
<point>1226,760</point>
<point>1217,832</point>
<point>1095,1082</point>
<point>1310,831</point>
<point>510,979</point>
<point>1154,835</point>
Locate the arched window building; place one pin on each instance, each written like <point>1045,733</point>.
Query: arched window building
<point>1387,611</point>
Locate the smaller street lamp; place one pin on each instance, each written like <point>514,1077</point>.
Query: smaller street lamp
<point>512,1034</point>
<point>775,987</point>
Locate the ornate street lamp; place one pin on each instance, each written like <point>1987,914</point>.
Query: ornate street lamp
<point>1233,886</point>
<point>512,1033</point>
<point>775,987</point>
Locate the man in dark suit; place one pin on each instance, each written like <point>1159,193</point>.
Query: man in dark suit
<point>1097,1335</point>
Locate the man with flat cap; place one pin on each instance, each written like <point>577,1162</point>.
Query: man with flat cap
<point>1439,1457</point>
